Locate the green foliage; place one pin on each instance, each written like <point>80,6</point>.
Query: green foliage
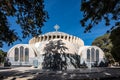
<point>115,38</point>
<point>2,56</point>
<point>29,14</point>
<point>104,42</point>
<point>110,44</point>
<point>94,11</point>
<point>52,56</point>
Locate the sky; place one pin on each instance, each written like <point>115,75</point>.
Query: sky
<point>66,14</point>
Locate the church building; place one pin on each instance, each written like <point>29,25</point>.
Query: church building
<point>32,53</point>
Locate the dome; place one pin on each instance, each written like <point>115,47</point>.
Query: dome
<point>57,35</point>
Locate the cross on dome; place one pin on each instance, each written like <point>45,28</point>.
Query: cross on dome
<point>56,27</point>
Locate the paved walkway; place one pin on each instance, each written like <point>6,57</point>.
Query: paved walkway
<point>30,73</point>
<point>18,73</point>
<point>81,74</point>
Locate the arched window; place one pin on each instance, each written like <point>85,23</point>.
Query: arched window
<point>49,38</point>
<point>58,36</point>
<point>69,38</point>
<point>61,37</point>
<point>41,38</point>
<point>97,55</point>
<point>16,58</point>
<point>26,54</point>
<point>45,38</point>
<point>65,37</point>
<point>54,37</point>
<point>92,54</point>
<point>88,55</point>
<point>21,53</point>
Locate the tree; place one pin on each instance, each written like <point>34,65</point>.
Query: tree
<point>2,56</point>
<point>104,42</point>
<point>29,14</point>
<point>94,11</point>
<point>54,51</point>
<point>115,38</point>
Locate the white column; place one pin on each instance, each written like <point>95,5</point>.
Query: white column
<point>74,39</point>
<point>63,36</point>
<point>67,37</point>
<point>51,36</point>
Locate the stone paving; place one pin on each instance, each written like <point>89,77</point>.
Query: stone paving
<point>30,73</point>
<point>18,73</point>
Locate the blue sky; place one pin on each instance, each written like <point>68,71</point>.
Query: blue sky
<point>67,14</point>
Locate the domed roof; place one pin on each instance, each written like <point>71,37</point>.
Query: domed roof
<point>57,35</point>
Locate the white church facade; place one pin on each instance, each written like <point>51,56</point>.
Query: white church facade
<point>27,54</point>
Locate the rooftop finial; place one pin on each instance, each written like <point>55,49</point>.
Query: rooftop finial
<point>56,27</point>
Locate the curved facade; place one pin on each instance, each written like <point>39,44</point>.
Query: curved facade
<point>21,54</point>
<point>32,53</point>
<point>91,54</point>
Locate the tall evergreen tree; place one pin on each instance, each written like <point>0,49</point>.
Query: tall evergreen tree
<point>104,42</point>
<point>115,38</point>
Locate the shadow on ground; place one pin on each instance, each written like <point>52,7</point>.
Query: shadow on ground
<point>78,74</point>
